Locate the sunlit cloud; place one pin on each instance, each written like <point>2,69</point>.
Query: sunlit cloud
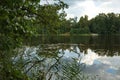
<point>92,7</point>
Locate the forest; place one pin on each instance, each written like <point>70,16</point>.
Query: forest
<point>101,24</point>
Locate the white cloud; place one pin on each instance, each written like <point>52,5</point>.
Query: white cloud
<point>70,16</point>
<point>93,8</point>
<point>89,8</point>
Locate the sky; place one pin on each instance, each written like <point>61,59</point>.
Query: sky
<point>78,8</point>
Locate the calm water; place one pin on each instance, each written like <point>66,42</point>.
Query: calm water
<point>106,45</point>
<point>100,54</point>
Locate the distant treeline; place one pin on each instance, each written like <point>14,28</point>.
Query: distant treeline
<point>101,24</point>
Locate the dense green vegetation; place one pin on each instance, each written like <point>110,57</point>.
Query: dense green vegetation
<point>19,20</point>
<point>101,24</point>
<point>105,24</point>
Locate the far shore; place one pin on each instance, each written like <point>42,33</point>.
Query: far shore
<point>92,34</point>
<point>68,34</point>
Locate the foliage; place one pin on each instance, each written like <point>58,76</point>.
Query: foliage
<point>105,24</point>
<point>45,25</point>
<point>101,24</point>
<point>18,19</point>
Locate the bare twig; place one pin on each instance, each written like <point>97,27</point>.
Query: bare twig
<point>57,60</point>
<point>36,62</point>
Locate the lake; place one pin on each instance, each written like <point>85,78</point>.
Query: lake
<point>103,45</point>
<point>99,54</point>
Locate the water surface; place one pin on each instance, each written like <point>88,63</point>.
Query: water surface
<point>100,54</point>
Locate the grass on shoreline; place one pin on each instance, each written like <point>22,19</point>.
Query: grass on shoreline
<point>67,34</point>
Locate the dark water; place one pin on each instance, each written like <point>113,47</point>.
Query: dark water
<point>102,44</point>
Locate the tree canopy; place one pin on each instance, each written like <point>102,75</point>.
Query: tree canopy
<point>20,19</point>
<point>101,24</point>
